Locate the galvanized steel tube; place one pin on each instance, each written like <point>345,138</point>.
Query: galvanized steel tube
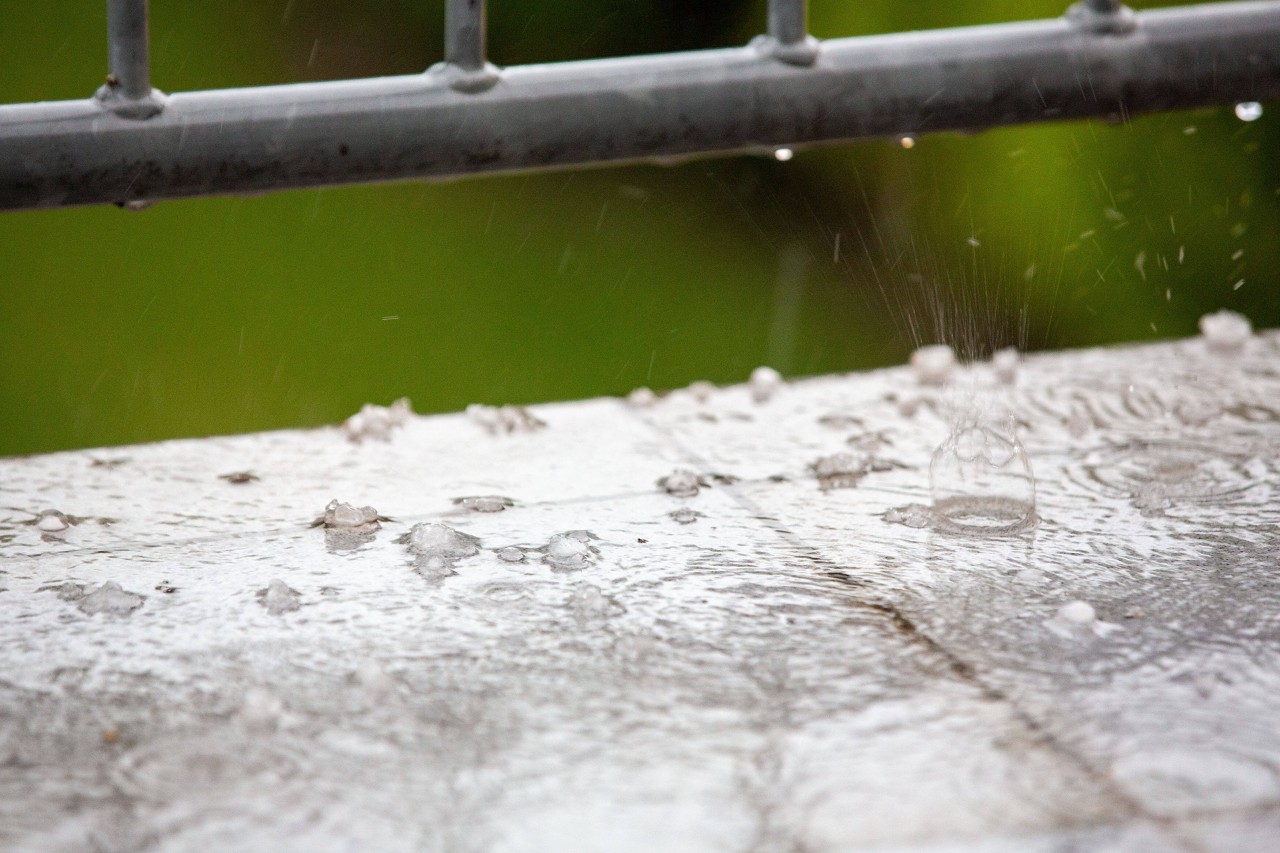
<point>637,108</point>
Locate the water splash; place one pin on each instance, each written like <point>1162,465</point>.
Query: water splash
<point>982,481</point>
<point>279,598</point>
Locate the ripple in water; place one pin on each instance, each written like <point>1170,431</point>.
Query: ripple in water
<point>1158,475</point>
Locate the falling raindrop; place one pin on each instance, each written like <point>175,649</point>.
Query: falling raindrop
<point>982,481</point>
<point>1248,110</point>
<point>782,155</point>
<point>907,141</point>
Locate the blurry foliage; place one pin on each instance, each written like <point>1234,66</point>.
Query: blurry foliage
<point>226,315</point>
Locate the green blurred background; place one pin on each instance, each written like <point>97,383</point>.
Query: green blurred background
<point>230,315</point>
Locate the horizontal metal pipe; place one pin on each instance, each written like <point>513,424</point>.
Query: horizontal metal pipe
<point>637,108</point>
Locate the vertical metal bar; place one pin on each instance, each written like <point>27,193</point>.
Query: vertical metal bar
<point>464,34</point>
<point>788,22</point>
<point>1105,7</point>
<point>128,60</point>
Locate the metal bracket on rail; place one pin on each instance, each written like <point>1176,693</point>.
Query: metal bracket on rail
<point>128,92</point>
<point>1103,16</point>
<point>787,39</point>
<point>465,68</point>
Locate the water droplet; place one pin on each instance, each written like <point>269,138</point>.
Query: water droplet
<point>590,604</point>
<point>510,554</point>
<point>907,141</point>
<point>377,422</point>
<point>840,470</point>
<point>973,242</point>
<point>570,551</point>
<point>279,598</point>
<point>1248,110</point>
<point>239,477</point>
<point>681,483</point>
<point>136,204</point>
<point>1077,613</point>
<point>52,521</point>
<point>504,420</point>
<point>373,678</point>
<point>701,390</point>
<point>1005,361</point>
<point>981,480</point>
<point>912,515</point>
<point>684,515</point>
<point>1078,618</point>
<point>933,364</point>
<point>260,710</point>
<point>783,155</point>
<point>764,383</point>
<point>642,397</point>
<point>1189,130</point>
<point>345,516</point>
<point>1225,331</point>
<point>110,598</point>
<point>430,539</point>
<point>484,503</point>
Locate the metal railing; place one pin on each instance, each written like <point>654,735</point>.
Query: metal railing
<point>131,144</point>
